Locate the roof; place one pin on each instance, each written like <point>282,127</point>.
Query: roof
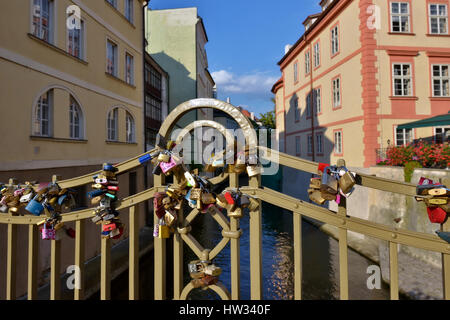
<point>437,121</point>
<point>312,16</point>
<point>277,85</point>
<point>210,76</point>
<point>203,27</point>
<point>319,18</point>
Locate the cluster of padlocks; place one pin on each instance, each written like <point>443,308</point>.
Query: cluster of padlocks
<point>203,273</point>
<point>331,183</point>
<point>46,198</point>
<point>235,162</point>
<point>104,196</point>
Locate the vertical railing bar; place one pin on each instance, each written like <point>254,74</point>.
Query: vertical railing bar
<point>235,248</point>
<point>133,268</point>
<point>11,262</point>
<point>393,269</point>
<point>446,266</point>
<point>256,246</point>
<point>105,269</point>
<point>79,259</point>
<point>343,251</point>
<point>55,268</point>
<point>33,250</point>
<point>178,257</point>
<point>159,254</point>
<point>297,220</point>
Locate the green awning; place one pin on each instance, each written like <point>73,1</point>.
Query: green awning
<point>438,121</point>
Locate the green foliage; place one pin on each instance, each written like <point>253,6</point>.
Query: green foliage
<point>268,119</point>
<point>409,169</point>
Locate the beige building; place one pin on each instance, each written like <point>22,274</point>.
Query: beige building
<point>71,97</point>
<point>360,69</point>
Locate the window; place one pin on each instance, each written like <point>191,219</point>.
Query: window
<point>338,142</point>
<point>42,116</point>
<point>441,80</point>
<point>75,40</point>
<point>336,92</point>
<point>317,54</point>
<point>438,19</point>
<point>112,124</point>
<point>319,143</point>
<point>334,40</point>
<point>310,142</point>
<point>308,105</point>
<point>111,58</point>
<point>403,136</point>
<point>295,72</point>
<point>150,137</point>
<point>152,108</point>
<point>318,101</point>
<point>400,17</point>
<point>296,110</point>
<point>112,2</point>
<point>129,10</point>
<point>130,128</point>
<point>402,79</point>
<point>297,145</point>
<point>75,120</point>
<point>129,69</point>
<point>441,134</point>
<point>42,19</point>
<point>152,77</point>
<point>307,62</point>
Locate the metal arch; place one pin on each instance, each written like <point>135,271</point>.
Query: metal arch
<point>243,122</point>
<point>218,288</point>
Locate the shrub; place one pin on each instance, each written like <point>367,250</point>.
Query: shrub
<point>409,169</point>
<point>428,155</point>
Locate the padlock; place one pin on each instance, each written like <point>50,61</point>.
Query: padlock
<point>221,201</point>
<point>114,233</point>
<point>315,183</point>
<point>229,198</point>
<point>190,179</point>
<point>96,219</point>
<point>167,166</point>
<point>196,194</point>
<point>435,201</point>
<point>436,215</point>
<point>209,280</point>
<point>244,201</point>
<point>109,167</point>
<point>163,157</point>
<point>207,198</point>
<point>218,163</point>
<point>170,218</point>
<point>156,230</point>
<point>254,170</point>
<point>160,141</point>
<point>48,234</point>
<point>3,208</point>
<point>236,213</point>
<point>194,266</point>
<point>316,196</point>
<point>197,283</point>
<point>346,180</point>
<point>35,207</point>
<point>328,196</point>
<point>439,192</point>
<point>163,232</point>
<point>213,270</point>
<point>329,183</point>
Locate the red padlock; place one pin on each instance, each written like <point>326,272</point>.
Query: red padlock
<point>436,215</point>
<point>229,198</point>
<point>109,227</point>
<point>322,166</point>
<point>113,188</point>
<point>119,235</point>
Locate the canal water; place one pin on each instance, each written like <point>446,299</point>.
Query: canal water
<point>320,262</point>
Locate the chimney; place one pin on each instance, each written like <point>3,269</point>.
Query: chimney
<point>287,48</point>
<point>228,100</point>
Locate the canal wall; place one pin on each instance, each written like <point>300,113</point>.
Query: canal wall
<point>420,271</point>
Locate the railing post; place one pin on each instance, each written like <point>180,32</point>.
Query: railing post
<point>160,254</point>
<point>343,249</point>
<point>235,248</point>
<point>33,250</point>
<point>11,262</point>
<point>105,269</point>
<point>256,245</point>
<point>55,268</point>
<point>393,269</point>
<point>133,265</point>
<point>297,220</point>
<point>178,257</point>
<point>79,258</point>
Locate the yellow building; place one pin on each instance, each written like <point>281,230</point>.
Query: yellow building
<point>361,69</point>
<point>71,98</point>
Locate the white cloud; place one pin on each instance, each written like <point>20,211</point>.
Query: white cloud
<point>256,83</point>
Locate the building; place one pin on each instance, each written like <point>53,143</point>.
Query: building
<point>176,41</point>
<point>360,69</point>
<point>71,98</point>
<point>156,83</point>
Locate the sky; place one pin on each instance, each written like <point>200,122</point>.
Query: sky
<point>246,41</point>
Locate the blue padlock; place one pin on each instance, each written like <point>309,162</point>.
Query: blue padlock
<point>35,207</point>
<point>61,199</point>
<point>109,167</point>
<point>145,158</point>
<point>95,193</point>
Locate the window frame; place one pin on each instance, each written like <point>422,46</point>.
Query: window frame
<point>316,54</point>
<point>116,57</point>
<point>444,129</point>
<point>309,144</point>
<point>127,10</point>
<point>404,136</point>
<point>391,15</point>
<point>402,78</point>
<point>334,40</point>
<point>295,71</point>
<point>318,97</point>
<point>82,41</point>
<point>298,145</point>
<point>438,17</point>
<point>113,129</point>
<point>75,105</point>
<point>339,152</point>
<point>38,119</point>
<point>441,78</point>
<point>319,145</point>
<point>127,54</point>
<point>51,21</point>
<point>296,110</point>
<point>307,62</point>
<point>130,128</point>
<point>336,93</point>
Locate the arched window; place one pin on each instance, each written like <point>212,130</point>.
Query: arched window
<point>75,120</point>
<point>130,128</point>
<point>113,117</point>
<point>42,115</point>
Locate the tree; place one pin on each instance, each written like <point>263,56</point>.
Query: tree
<point>268,119</point>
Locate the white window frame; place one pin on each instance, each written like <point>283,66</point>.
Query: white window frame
<point>82,41</point>
<point>129,10</point>
<point>307,62</point>
<point>297,110</point>
<point>309,139</point>
<point>112,124</point>
<point>442,79</point>
<point>438,17</point>
<point>130,128</point>
<point>318,100</point>
<point>443,129</point>
<point>116,57</point>
<point>402,79</point>
<point>338,142</point>
<point>400,16</point>
<point>51,20</point>
<point>75,109</point>
<point>319,143</point>
<point>335,40</point>
<point>317,54</point>
<point>298,147</point>
<point>38,118</point>
<point>308,102</point>
<point>295,72</point>
<point>131,81</point>
<point>337,92</point>
<point>404,136</point>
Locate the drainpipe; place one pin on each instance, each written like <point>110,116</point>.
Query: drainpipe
<point>144,12</point>
<point>311,93</point>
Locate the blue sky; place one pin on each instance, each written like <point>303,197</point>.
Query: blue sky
<point>246,40</point>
